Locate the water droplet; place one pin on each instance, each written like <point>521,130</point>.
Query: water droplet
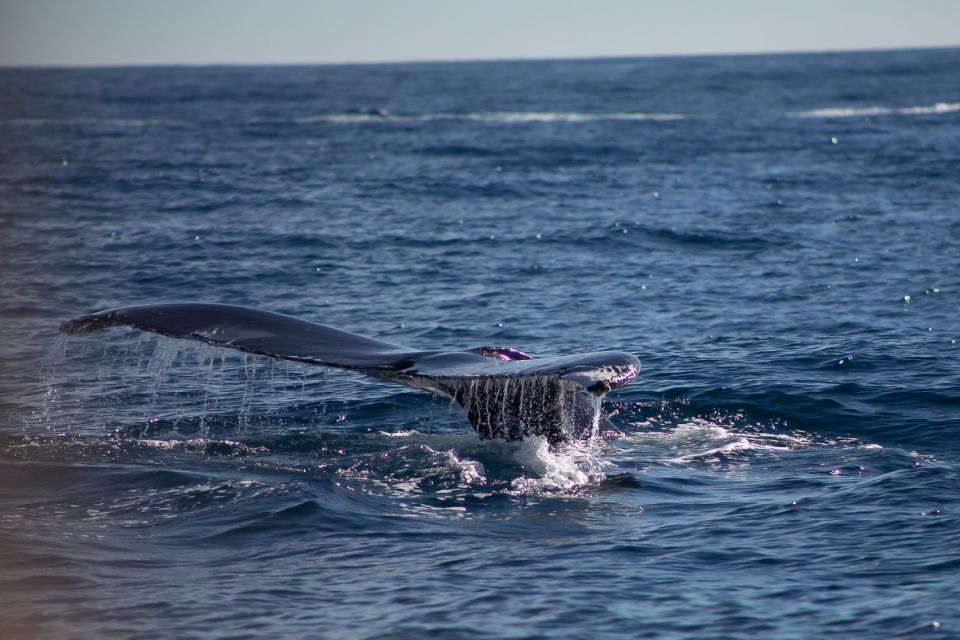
<point>906,298</point>
<point>834,140</point>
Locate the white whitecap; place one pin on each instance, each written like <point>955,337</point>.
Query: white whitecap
<point>851,112</point>
<point>486,116</point>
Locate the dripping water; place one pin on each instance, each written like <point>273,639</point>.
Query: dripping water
<point>515,408</point>
<point>164,383</point>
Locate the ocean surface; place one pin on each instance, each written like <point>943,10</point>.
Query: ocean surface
<point>777,238</point>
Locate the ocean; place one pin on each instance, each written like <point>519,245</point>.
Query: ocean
<point>775,237</point>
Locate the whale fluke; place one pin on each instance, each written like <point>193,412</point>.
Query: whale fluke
<point>506,393</point>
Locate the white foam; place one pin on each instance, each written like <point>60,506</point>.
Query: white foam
<point>714,454</point>
<point>403,433</point>
<point>697,428</point>
<point>700,439</point>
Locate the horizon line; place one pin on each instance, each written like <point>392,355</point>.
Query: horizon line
<point>545,58</point>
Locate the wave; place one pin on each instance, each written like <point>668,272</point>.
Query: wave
<point>487,116</point>
<point>852,112</point>
<point>501,117</point>
<point>104,122</point>
<point>708,440</point>
<point>367,117</point>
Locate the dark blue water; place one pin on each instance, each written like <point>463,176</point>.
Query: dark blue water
<point>777,238</point>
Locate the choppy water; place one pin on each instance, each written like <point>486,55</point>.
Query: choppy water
<point>776,238</point>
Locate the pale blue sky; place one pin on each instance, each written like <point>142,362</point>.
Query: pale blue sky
<point>118,32</point>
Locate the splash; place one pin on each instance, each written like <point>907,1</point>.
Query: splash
<point>550,470</point>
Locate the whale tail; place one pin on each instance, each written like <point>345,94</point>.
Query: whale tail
<point>506,393</point>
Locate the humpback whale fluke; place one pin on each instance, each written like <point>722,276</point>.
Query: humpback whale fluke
<point>505,392</point>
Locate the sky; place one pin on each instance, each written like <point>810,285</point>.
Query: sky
<point>139,32</point>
